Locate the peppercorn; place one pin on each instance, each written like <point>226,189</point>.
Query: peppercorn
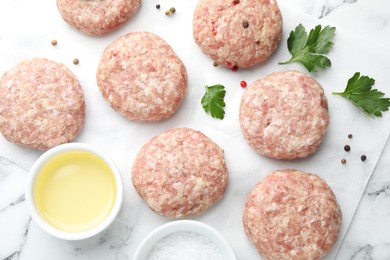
<point>215,64</point>
<point>243,84</point>
<point>258,42</point>
<point>347,148</point>
<point>76,61</point>
<point>173,10</point>
<point>168,13</point>
<point>245,24</point>
<point>363,158</point>
<point>158,6</point>
<point>350,136</point>
<point>54,42</point>
<point>343,161</point>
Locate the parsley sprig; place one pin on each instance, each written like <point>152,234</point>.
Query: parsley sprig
<point>310,50</point>
<point>213,101</point>
<point>359,91</point>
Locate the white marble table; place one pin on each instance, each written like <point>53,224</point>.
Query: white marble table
<point>368,237</point>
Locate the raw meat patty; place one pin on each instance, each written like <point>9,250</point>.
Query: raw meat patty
<point>97,17</point>
<point>284,115</point>
<point>292,215</point>
<point>237,34</point>
<point>141,77</point>
<point>180,173</point>
<point>42,104</point>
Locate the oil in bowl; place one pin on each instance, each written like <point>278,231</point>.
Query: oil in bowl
<point>74,191</point>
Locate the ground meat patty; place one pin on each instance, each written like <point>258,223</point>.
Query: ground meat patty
<point>237,33</point>
<point>141,77</point>
<point>292,215</point>
<point>284,115</point>
<point>42,104</point>
<point>180,173</point>
<point>96,17</point>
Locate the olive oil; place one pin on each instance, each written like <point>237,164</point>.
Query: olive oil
<point>75,191</point>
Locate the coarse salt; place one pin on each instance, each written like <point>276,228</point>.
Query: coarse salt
<point>185,246</point>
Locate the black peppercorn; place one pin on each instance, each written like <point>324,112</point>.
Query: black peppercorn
<point>363,158</point>
<point>158,6</point>
<point>347,148</point>
<point>245,24</point>
<point>350,136</point>
<point>343,161</point>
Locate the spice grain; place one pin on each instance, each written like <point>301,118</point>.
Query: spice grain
<point>171,11</point>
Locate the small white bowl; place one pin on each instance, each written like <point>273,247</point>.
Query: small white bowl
<point>196,227</point>
<point>40,220</point>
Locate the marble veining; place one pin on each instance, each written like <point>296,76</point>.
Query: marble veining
<point>16,254</point>
<point>363,253</point>
<point>321,9</point>
<point>384,190</point>
<point>329,7</point>
<point>115,239</point>
<point>14,218</point>
<point>14,203</point>
<point>370,252</point>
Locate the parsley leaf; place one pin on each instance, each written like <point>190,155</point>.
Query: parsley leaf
<point>310,50</point>
<point>213,101</point>
<point>360,93</point>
